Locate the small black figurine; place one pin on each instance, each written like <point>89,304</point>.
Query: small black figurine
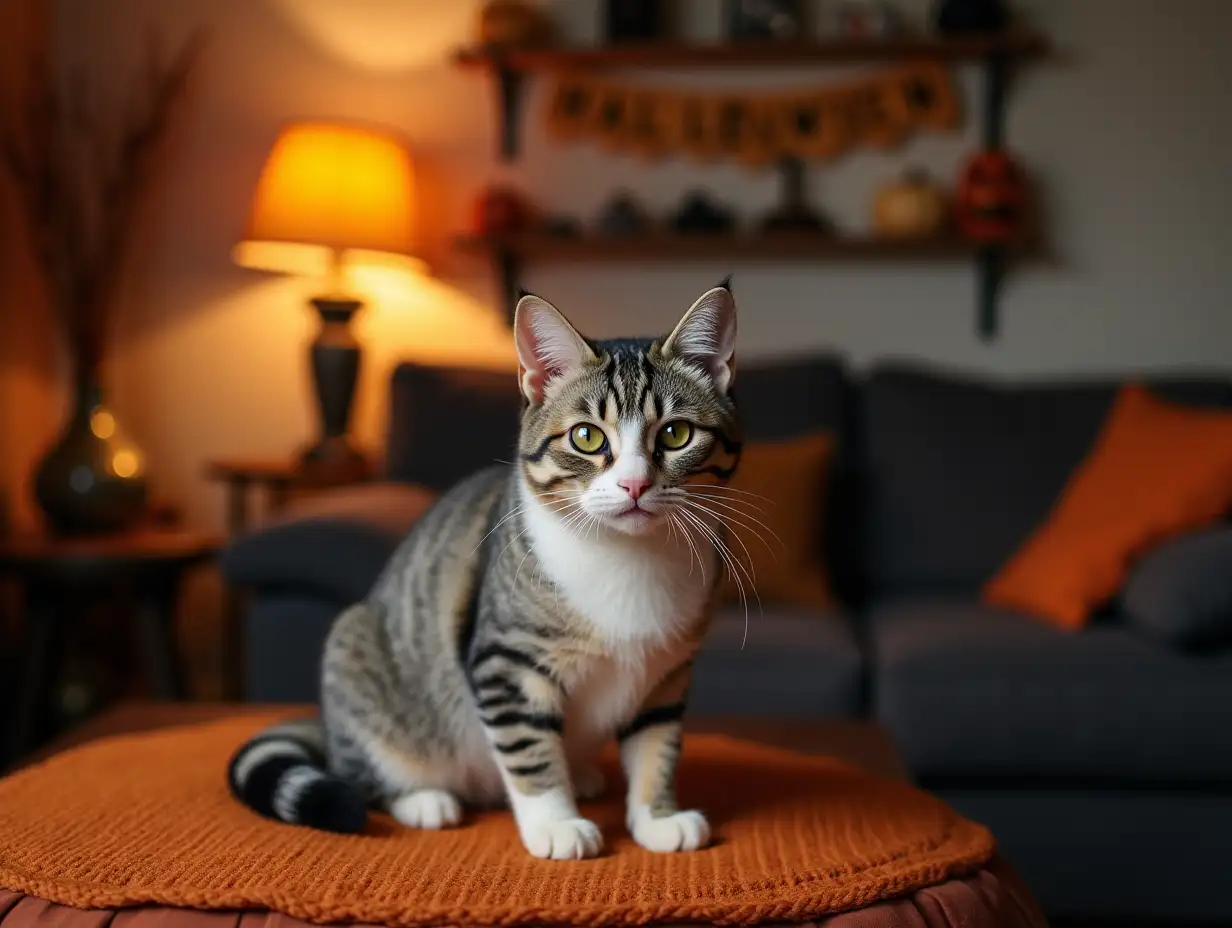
<point>764,19</point>
<point>968,17</point>
<point>559,225</point>
<point>701,213</point>
<point>623,216</point>
<point>634,20</point>
<point>793,214</point>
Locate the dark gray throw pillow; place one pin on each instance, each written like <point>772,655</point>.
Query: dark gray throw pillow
<point>1181,592</point>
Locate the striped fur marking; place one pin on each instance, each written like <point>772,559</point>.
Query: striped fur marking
<point>292,786</point>
<point>647,718</point>
<point>539,721</point>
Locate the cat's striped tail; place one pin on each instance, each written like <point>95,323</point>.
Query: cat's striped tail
<point>282,774</point>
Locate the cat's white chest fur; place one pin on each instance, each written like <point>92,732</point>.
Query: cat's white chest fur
<point>638,591</point>
<point>642,594</point>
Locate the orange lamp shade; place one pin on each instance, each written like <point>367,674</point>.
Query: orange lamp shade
<point>328,195</point>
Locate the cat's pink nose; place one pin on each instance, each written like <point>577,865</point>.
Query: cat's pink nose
<point>634,486</point>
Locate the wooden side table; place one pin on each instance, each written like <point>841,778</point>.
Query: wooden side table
<point>146,563</point>
<point>280,480</point>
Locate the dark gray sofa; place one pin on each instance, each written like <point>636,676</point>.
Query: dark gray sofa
<point>1102,760</point>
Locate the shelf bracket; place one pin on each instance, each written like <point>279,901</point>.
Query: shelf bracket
<point>990,270</point>
<point>991,261</point>
<point>509,274</point>
<point>509,88</point>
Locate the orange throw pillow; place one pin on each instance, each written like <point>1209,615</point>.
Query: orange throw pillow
<point>781,484</point>
<point>1157,470</point>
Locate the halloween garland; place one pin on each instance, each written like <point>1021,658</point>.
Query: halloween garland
<point>753,129</point>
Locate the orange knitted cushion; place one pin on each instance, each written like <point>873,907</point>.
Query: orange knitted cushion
<point>148,819</point>
<point>1157,470</point>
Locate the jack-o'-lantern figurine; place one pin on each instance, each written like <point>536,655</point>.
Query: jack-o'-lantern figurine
<point>506,24</point>
<point>992,201</point>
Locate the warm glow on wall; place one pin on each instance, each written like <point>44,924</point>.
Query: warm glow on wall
<point>382,35</point>
<point>330,196</point>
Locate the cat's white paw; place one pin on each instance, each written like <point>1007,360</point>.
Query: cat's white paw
<point>682,831</point>
<point>427,808</point>
<point>589,783</point>
<point>563,839</point>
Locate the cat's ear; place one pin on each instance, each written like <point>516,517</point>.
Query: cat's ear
<point>548,346</point>
<point>706,335</point>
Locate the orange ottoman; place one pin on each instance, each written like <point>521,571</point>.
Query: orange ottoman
<point>146,821</point>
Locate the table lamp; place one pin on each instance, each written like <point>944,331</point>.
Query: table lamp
<point>331,197</point>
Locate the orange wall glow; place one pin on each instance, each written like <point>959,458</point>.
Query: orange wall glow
<point>30,390</point>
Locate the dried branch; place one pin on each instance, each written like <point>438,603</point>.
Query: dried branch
<point>81,182</point>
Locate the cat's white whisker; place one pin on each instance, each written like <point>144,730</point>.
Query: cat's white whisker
<point>729,489</point>
<point>730,521</point>
<point>513,513</point>
<point>734,568</point>
<point>684,530</point>
<point>744,514</point>
<point>740,541</point>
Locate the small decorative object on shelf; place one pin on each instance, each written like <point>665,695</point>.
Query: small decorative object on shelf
<point>623,215</point>
<point>80,183</point>
<point>971,17</point>
<point>865,19</point>
<point>912,206</point>
<point>501,210</point>
<point>508,24</point>
<point>634,20</point>
<point>561,226</point>
<point>992,199</point>
<point>793,214</point>
<point>701,213</point>
<point>764,19</point>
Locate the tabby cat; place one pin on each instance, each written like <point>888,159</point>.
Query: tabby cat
<point>538,609</point>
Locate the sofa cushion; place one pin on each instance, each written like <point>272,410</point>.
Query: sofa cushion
<point>774,507</point>
<point>789,397</point>
<point>446,423</point>
<point>1157,471</point>
<point>786,398</point>
<point>960,470</point>
<point>333,545</point>
<point>1181,593</point>
<point>791,662</point>
<point>968,690</point>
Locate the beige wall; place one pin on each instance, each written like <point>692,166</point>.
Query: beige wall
<point>1127,135</point>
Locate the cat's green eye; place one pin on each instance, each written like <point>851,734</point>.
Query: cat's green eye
<point>675,435</point>
<point>587,439</point>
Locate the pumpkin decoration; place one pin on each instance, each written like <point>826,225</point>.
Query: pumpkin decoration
<point>501,211</point>
<point>513,24</point>
<point>910,207</point>
<point>992,200</point>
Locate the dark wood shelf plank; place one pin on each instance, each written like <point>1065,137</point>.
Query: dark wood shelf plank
<point>1013,45</point>
<point>765,247</point>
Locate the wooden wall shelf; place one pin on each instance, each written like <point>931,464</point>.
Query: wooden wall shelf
<point>1017,45</point>
<point>717,247</point>
<point>995,54</point>
<point>510,254</point>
